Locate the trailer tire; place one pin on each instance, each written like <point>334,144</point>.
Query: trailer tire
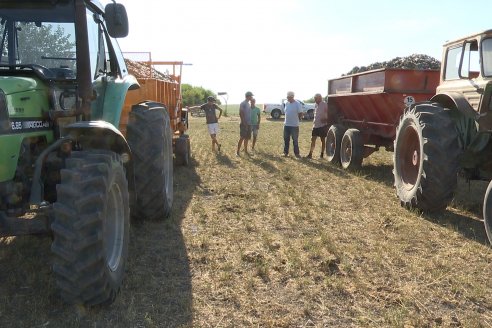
<point>276,114</point>
<point>182,150</point>
<point>333,143</point>
<point>91,228</point>
<point>425,161</point>
<point>150,138</point>
<point>351,150</point>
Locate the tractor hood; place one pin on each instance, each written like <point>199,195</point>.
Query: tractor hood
<point>15,84</point>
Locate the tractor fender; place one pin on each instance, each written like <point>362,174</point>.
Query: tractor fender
<point>98,135</point>
<point>455,100</point>
<point>102,135</point>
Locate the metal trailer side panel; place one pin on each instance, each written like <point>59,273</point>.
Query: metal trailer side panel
<point>374,101</point>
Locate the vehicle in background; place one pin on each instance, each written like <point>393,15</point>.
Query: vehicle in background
<point>277,110</point>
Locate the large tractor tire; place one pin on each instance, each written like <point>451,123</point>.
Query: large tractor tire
<point>426,158</point>
<point>333,143</point>
<point>150,138</point>
<point>351,150</point>
<point>91,228</point>
<point>183,150</point>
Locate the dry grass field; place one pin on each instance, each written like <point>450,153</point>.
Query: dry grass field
<point>268,241</point>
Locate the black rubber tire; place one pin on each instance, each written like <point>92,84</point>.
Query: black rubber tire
<point>351,150</point>
<point>182,150</point>
<point>150,138</point>
<point>425,161</point>
<point>333,142</point>
<point>487,212</point>
<point>310,115</point>
<point>91,228</point>
<point>276,114</point>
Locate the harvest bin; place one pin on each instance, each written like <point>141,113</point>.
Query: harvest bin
<point>154,88</point>
<point>368,107</point>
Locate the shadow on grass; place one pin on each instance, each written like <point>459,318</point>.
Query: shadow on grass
<point>224,159</point>
<point>323,164</point>
<point>382,173</point>
<point>469,227</point>
<point>156,290</point>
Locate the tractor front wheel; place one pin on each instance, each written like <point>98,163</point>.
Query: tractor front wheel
<point>91,228</point>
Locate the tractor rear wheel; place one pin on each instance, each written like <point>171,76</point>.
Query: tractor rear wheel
<point>351,150</point>
<point>91,228</point>
<point>150,138</point>
<point>182,150</point>
<point>333,142</point>
<point>425,160</point>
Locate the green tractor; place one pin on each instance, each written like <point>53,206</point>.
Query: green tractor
<point>65,169</point>
<point>451,133</point>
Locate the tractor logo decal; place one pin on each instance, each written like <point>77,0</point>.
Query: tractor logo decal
<point>25,125</point>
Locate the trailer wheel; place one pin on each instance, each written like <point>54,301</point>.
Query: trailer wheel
<point>182,150</point>
<point>276,114</point>
<point>351,149</point>
<point>91,228</point>
<point>426,158</point>
<point>333,143</point>
<point>150,138</point>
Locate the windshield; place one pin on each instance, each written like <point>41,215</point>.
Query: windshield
<point>39,38</point>
<point>487,57</point>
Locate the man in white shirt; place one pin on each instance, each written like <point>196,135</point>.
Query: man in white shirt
<point>293,113</point>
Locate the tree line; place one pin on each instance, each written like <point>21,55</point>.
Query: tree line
<point>193,96</point>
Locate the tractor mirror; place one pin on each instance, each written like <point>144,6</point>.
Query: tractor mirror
<point>116,20</point>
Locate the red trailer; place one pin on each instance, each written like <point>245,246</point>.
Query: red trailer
<point>368,107</point>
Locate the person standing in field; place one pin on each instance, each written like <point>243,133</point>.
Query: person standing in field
<point>212,119</point>
<point>255,122</point>
<point>245,124</point>
<point>293,113</point>
<point>320,125</point>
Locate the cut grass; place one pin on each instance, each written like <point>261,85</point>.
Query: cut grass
<point>270,241</point>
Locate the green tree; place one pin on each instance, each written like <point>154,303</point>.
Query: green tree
<point>193,96</point>
<point>45,41</point>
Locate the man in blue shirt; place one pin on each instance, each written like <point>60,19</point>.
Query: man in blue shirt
<point>293,113</point>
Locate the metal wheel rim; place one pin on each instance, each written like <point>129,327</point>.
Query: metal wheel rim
<point>114,228</point>
<point>346,150</point>
<point>409,157</point>
<point>168,166</point>
<point>331,145</point>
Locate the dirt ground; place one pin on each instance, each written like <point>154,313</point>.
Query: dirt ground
<point>268,241</point>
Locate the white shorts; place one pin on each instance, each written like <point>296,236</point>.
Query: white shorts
<point>213,128</point>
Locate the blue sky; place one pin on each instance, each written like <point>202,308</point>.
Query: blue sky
<point>272,46</point>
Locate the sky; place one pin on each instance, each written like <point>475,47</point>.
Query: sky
<point>270,47</point>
